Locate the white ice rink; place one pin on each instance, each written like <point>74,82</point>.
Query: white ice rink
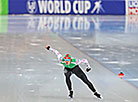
<point>29,73</point>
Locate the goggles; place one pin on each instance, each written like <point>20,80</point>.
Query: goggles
<point>67,59</point>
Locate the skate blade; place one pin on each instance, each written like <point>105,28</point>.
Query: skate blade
<point>100,98</point>
<point>71,99</point>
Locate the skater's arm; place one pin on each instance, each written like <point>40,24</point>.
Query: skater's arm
<point>85,61</point>
<point>59,56</point>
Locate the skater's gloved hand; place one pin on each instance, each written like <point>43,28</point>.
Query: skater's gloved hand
<point>88,69</point>
<point>48,47</point>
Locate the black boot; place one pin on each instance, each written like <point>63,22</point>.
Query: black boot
<point>97,95</point>
<point>71,94</point>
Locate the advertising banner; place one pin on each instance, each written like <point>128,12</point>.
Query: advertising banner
<point>66,7</point>
<point>132,7</point>
<point>3,7</point>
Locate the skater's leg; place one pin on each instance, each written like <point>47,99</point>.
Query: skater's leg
<point>67,74</point>
<point>79,73</point>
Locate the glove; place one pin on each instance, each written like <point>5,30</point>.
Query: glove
<point>88,69</point>
<point>47,47</point>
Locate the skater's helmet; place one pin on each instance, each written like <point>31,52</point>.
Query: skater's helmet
<point>67,57</point>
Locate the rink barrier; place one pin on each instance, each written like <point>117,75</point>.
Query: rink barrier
<point>131,7</point>
<point>3,7</point>
<point>67,7</point>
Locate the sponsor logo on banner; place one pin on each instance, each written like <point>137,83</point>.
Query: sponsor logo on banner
<point>32,6</point>
<point>133,7</point>
<point>54,7</point>
<point>64,6</point>
<point>97,7</point>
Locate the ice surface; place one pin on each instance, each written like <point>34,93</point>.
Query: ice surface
<point>29,73</point>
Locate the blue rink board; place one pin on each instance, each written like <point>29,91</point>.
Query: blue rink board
<point>86,7</point>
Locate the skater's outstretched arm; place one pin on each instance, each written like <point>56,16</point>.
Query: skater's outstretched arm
<point>85,61</point>
<point>59,56</point>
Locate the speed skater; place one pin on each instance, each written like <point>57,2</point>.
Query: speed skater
<point>71,66</point>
